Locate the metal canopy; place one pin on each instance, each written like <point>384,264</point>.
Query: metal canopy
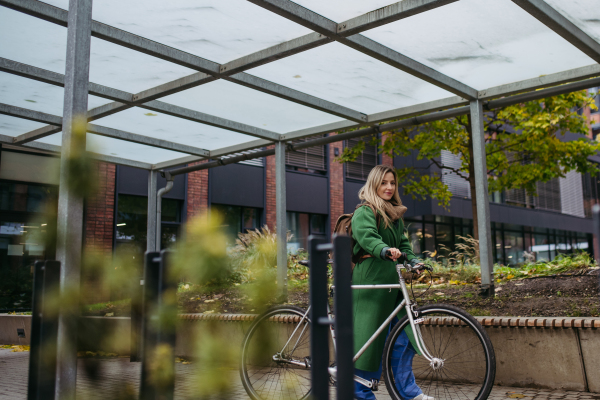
<point>190,80</point>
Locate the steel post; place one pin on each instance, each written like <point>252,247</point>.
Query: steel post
<point>483,205</point>
<point>342,274</point>
<point>152,200</point>
<point>280,199</point>
<point>70,204</point>
<point>319,332</point>
<point>596,216</point>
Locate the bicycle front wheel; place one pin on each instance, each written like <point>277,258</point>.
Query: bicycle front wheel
<point>275,361</point>
<point>464,364</point>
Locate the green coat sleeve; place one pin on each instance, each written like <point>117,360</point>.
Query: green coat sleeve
<point>405,246</point>
<point>365,232</point>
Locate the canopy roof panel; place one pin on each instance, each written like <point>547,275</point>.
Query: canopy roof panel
<point>342,75</point>
<point>249,106</point>
<point>497,44</point>
<point>186,79</point>
<point>583,13</point>
<point>158,125</point>
<point>119,148</point>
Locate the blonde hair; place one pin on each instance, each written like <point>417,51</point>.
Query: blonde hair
<point>368,193</point>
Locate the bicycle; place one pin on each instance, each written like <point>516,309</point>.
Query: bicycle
<point>275,362</point>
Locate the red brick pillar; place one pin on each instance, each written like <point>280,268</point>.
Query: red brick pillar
<point>100,210</point>
<point>271,207</point>
<point>99,231</point>
<point>386,159</point>
<point>336,183</point>
<point>197,191</point>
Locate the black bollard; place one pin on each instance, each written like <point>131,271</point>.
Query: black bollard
<point>44,331</point>
<point>344,336</point>
<point>319,328</point>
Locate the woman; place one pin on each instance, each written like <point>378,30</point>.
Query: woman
<point>372,307</point>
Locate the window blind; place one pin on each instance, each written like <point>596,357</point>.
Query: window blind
<point>311,158</point>
<point>457,185</point>
<point>258,162</point>
<point>364,163</point>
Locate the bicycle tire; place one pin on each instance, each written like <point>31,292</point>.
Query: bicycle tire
<point>278,380</point>
<point>448,332</point>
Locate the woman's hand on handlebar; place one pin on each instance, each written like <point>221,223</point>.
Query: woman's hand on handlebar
<point>393,254</point>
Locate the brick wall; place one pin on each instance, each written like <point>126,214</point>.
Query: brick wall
<point>270,196</point>
<point>99,231</point>
<point>197,191</point>
<point>100,210</point>
<point>336,183</point>
<point>386,159</point>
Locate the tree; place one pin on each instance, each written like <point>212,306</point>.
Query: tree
<point>524,144</point>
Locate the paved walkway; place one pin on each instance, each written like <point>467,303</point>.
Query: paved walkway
<point>119,377</point>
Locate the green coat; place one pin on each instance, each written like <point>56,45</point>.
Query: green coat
<point>372,306</point>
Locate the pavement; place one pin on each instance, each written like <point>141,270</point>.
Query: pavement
<point>117,378</point>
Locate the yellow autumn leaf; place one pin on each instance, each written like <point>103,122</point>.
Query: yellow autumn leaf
<point>516,396</point>
<point>510,276</point>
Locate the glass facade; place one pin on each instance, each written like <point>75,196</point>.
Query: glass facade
<point>238,219</point>
<point>27,216</point>
<point>513,244</point>
<point>131,223</point>
<point>302,225</point>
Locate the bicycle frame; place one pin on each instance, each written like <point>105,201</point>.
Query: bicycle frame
<point>410,312</point>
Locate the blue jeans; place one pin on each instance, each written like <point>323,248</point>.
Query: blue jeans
<point>403,352</point>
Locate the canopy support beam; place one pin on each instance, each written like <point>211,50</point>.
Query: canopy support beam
<point>281,209</point>
<point>70,203</point>
<point>486,260</point>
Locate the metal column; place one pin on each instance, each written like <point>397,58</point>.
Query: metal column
<point>70,203</point>
<point>281,220</point>
<point>483,204</point>
<point>152,217</point>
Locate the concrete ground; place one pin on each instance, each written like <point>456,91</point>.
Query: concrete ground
<point>118,377</point>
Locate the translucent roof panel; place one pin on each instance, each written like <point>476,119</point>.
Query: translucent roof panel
<point>166,127</point>
<point>32,41</point>
<point>37,96</point>
<point>481,43</point>
<point>219,31</point>
<point>121,68</point>
<point>120,148</point>
<point>347,77</point>
<point>12,126</point>
<point>583,13</point>
<point>238,103</point>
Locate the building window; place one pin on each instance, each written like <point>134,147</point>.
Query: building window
<point>27,214</point>
<point>238,219</point>
<point>359,169</point>
<point>302,225</point>
<point>132,223</point>
<point>549,195</point>
<point>312,159</point>
<point>591,192</point>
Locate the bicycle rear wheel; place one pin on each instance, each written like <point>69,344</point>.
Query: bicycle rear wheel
<point>453,336</point>
<point>275,361</point>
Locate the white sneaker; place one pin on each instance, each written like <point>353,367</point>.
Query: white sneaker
<point>423,396</point>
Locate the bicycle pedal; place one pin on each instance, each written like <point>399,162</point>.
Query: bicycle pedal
<point>375,385</point>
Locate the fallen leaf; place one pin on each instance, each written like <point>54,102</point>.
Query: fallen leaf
<point>208,301</point>
<point>516,396</point>
<point>186,362</point>
<point>109,314</point>
<point>439,294</point>
<point>150,114</point>
<point>209,312</point>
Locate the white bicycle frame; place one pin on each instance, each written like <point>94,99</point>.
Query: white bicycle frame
<point>410,312</point>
